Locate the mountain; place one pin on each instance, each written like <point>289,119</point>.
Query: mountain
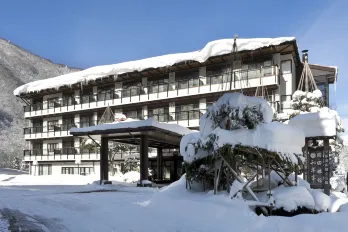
<point>17,67</point>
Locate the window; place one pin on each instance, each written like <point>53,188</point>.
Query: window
<point>52,125</point>
<point>45,169</point>
<point>132,114</point>
<point>105,94</point>
<point>53,102</point>
<point>75,170</point>
<point>161,114</point>
<point>68,100</point>
<point>52,146</point>
<point>267,68</point>
<point>37,126</point>
<point>210,104</point>
<point>132,89</point>
<point>68,143</point>
<point>158,86</point>
<point>286,66</point>
<point>86,121</point>
<point>190,111</point>
<point>189,79</point>
<point>68,123</point>
<point>87,96</point>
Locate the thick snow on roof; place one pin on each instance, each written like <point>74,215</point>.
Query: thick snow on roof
<point>135,124</point>
<point>323,123</point>
<point>214,48</point>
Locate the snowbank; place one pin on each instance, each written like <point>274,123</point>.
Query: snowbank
<point>63,179</point>
<point>291,198</point>
<point>135,124</point>
<point>214,48</point>
<point>128,177</point>
<point>323,123</point>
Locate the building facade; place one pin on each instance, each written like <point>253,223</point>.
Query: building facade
<point>179,93</point>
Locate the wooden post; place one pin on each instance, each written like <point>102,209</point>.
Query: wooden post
<point>159,163</point>
<point>220,165</point>
<point>144,159</point>
<point>215,180</point>
<point>104,160</point>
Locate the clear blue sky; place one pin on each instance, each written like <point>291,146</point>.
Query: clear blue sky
<point>88,33</point>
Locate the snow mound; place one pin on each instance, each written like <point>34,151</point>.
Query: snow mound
<point>323,123</point>
<point>291,198</point>
<point>128,177</point>
<point>63,179</point>
<point>214,48</point>
<point>321,200</point>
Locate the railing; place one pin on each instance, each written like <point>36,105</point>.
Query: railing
<point>62,153</point>
<point>203,84</point>
<point>72,153</point>
<point>174,116</point>
<point>56,130</point>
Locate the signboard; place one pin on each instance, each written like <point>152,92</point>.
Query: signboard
<point>318,172</point>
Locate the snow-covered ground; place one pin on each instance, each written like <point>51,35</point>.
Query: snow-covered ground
<point>64,203</point>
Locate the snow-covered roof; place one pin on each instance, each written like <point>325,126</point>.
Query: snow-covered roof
<point>214,48</point>
<point>150,122</point>
<point>323,123</point>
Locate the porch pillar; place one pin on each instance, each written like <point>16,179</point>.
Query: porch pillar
<point>144,158</point>
<point>159,163</point>
<point>104,159</point>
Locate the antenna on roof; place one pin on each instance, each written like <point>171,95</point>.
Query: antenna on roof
<point>233,53</point>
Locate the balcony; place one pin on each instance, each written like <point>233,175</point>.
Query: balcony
<point>64,154</point>
<point>53,131</point>
<point>188,87</point>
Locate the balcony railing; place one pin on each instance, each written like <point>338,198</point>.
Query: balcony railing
<point>62,153</point>
<point>195,85</point>
<point>72,153</point>
<point>55,130</point>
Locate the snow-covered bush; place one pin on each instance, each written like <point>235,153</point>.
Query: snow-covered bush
<point>306,101</point>
<point>237,122</point>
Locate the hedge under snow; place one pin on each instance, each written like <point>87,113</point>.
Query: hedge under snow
<point>285,139</point>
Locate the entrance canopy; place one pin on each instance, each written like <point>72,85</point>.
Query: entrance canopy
<point>145,133</point>
<point>161,135</point>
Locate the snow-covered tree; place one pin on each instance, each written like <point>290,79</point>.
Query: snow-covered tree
<point>311,102</point>
<point>114,149</point>
<point>16,163</point>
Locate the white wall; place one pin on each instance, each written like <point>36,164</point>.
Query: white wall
<point>202,105</point>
